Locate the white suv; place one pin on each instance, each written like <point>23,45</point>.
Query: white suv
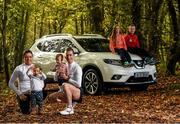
<point>100,67</point>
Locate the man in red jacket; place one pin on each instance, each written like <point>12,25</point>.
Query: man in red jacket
<point>133,46</point>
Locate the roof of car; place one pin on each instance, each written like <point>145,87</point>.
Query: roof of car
<point>75,36</point>
<point>89,36</point>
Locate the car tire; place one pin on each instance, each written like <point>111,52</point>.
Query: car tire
<point>140,87</point>
<point>92,83</point>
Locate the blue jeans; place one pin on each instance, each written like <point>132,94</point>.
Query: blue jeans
<point>24,104</point>
<point>36,99</point>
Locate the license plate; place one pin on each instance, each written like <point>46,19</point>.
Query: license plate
<point>141,74</point>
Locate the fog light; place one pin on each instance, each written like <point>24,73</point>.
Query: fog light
<point>116,77</point>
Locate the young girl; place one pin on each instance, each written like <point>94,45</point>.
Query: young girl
<point>37,78</point>
<point>118,44</point>
<point>61,70</point>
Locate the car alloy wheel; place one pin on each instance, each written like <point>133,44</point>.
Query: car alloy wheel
<point>91,82</point>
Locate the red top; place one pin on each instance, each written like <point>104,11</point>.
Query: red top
<point>118,42</point>
<point>132,40</point>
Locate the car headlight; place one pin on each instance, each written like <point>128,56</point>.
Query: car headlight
<point>113,62</point>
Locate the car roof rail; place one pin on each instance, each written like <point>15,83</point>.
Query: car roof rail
<point>52,35</point>
<point>92,35</point>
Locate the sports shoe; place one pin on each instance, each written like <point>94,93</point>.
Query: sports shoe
<point>67,111</point>
<point>127,64</point>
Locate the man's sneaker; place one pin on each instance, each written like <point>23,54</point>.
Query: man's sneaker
<point>67,111</point>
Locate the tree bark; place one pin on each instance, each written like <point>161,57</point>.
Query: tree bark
<point>35,26</point>
<point>82,25</point>
<point>174,56</point>
<point>41,24</point>
<point>17,58</point>
<point>156,35</point>
<point>136,19</point>
<point>4,47</point>
<point>136,13</point>
<point>96,15</point>
<point>24,34</point>
<point>76,25</point>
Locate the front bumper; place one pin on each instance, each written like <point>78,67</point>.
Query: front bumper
<point>116,84</point>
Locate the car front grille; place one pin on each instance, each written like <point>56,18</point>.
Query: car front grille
<point>139,63</point>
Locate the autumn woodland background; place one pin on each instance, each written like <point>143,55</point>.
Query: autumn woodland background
<point>158,29</point>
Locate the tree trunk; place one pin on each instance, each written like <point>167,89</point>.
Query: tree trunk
<point>1,58</point>
<point>23,42</point>
<point>136,19</point>
<point>96,15</point>
<point>41,24</point>
<point>82,25</point>
<point>49,25</point>
<point>23,35</point>
<point>156,35</point>
<point>174,56</point>
<point>17,58</point>
<point>4,47</point>
<point>76,25</point>
<point>35,26</point>
<point>136,13</point>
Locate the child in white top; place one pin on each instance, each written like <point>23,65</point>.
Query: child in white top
<point>37,84</point>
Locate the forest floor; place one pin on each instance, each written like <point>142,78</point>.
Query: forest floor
<point>159,104</point>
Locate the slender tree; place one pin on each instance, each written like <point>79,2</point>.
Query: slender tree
<point>174,56</point>
<point>94,6</point>
<point>4,40</point>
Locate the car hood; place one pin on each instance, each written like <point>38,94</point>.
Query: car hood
<point>107,55</point>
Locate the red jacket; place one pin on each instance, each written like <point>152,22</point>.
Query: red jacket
<point>118,43</point>
<point>132,40</point>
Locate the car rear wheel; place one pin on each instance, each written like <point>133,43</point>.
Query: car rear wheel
<point>92,83</point>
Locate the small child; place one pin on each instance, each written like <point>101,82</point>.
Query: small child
<point>37,78</point>
<point>61,70</point>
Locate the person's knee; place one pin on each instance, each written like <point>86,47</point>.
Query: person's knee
<point>66,87</point>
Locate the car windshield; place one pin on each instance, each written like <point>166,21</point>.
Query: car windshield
<point>94,44</point>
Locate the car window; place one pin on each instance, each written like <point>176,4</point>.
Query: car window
<point>50,45</point>
<point>94,44</point>
<point>64,44</point>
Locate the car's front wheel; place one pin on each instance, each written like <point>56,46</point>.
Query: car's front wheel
<point>92,82</point>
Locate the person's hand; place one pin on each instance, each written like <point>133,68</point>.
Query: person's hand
<point>32,67</point>
<point>22,97</point>
<point>65,77</point>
